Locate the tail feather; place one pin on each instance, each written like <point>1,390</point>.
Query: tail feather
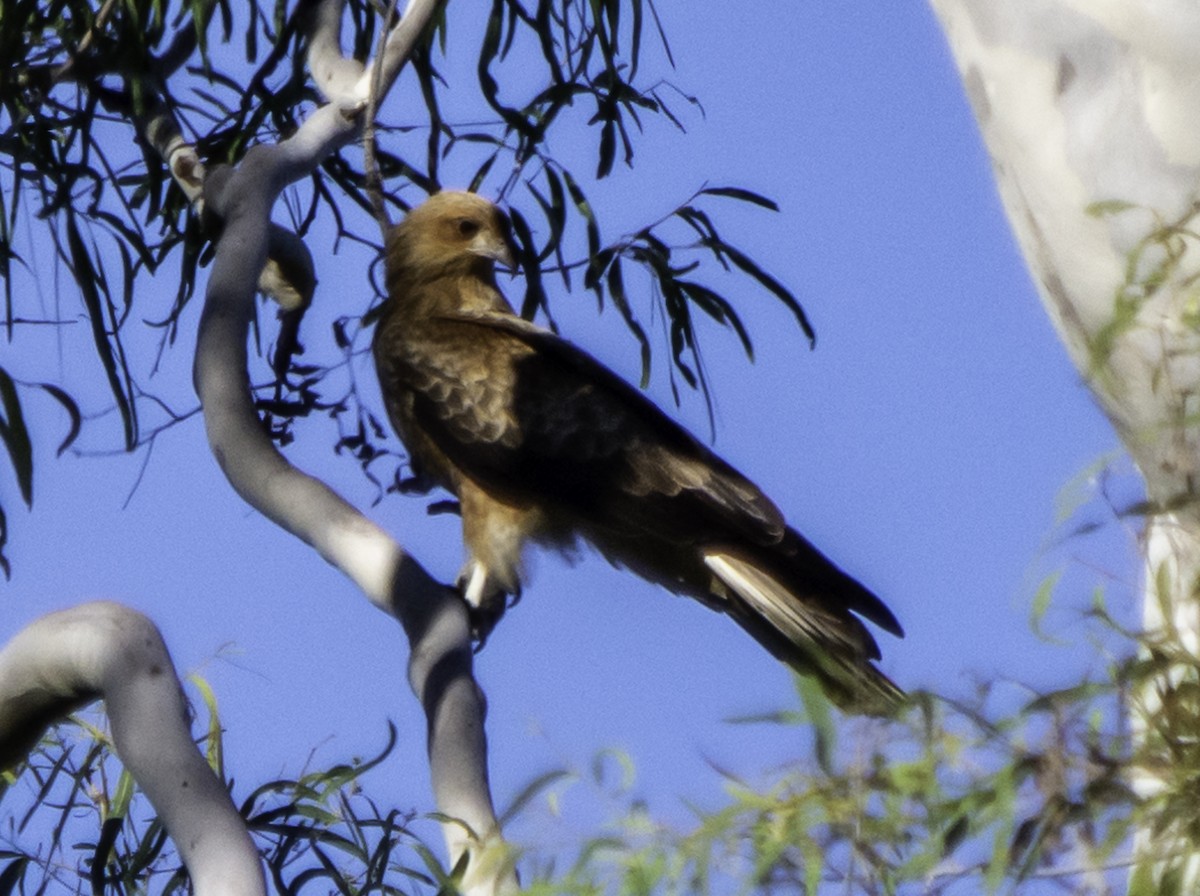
<point>810,633</point>
<point>819,572</point>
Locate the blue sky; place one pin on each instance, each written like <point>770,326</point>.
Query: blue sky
<point>922,444</point>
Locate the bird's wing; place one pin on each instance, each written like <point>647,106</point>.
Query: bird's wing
<point>539,423</point>
<point>530,416</point>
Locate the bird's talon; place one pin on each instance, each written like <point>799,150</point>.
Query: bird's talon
<point>482,623</point>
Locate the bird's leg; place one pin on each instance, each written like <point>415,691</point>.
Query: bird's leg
<point>493,534</point>
<point>473,582</point>
<point>486,599</point>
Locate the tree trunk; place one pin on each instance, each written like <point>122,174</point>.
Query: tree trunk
<point>1089,109</point>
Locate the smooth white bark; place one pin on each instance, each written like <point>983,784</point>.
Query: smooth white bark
<point>66,660</point>
<point>434,618</point>
<point>1089,110</point>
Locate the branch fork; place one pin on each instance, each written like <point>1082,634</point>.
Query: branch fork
<point>433,617</point>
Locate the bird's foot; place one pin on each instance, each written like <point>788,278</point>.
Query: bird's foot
<point>486,601</point>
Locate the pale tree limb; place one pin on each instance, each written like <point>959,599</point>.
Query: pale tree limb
<point>334,74</point>
<point>434,618</point>
<point>1088,109</point>
<point>287,276</point>
<point>65,660</point>
<point>345,81</point>
<point>401,42</point>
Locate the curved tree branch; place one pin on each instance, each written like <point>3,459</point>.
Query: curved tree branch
<point>64,661</point>
<point>434,619</point>
<point>401,42</point>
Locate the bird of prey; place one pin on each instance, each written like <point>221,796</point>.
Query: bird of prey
<point>542,444</point>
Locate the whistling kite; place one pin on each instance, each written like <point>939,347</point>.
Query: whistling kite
<point>541,443</point>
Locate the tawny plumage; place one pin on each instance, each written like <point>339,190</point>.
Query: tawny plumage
<point>543,444</point>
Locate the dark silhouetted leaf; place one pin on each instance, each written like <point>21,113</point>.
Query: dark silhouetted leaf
<point>107,345</point>
<point>15,435</point>
<point>72,409</point>
<point>742,194</point>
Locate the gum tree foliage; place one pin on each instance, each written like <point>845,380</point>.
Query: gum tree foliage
<point>85,79</point>
<point>1004,791</point>
<point>960,797</point>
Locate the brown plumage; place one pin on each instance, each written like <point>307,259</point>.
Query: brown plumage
<point>541,443</point>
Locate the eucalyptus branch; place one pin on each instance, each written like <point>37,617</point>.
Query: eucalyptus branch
<point>335,74</point>
<point>161,130</point>
<point>374,181</point>
<point>434,619</point>
<point>402,41</point>
<point>63,661</point>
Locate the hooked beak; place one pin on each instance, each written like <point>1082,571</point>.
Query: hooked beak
<point>497,248</point>
<point>497,244</point>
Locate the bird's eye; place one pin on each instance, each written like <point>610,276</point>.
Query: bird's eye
<point>467,228</point>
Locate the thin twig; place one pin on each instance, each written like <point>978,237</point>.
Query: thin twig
<point>101,18</point>
<point>374,179</point>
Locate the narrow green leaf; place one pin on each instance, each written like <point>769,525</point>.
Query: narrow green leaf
<point>5,566</point>
<point>530,792</point>
<point>662,34</point>
<point>742,195</point>
<point>555,211</point>
<point>616,288</point>
<point>784,294</point>
<point>252,34</point>
<point>608,148</point>
<point>6,256</point>
<point>122,796</point>
<point>13,875</point>
<point>635,50</point>
<point>820,716</point>
<point>585,209</point>
<point>149,847</point>
<point>85,276</point>
<point>72,409</point>
<point>527,257</point>
<point>101,855</point>
<point>482,171</point>
<point>214,739</point>
<point>1041,600</point>
<point>15,435</point>
<point>719,309</point>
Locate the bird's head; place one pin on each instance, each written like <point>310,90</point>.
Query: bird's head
<point>451,232</point>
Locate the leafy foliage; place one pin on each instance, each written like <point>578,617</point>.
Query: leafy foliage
<point>87,82</point>
<point>951,798</point>
<point>1152,264</point>
<point>14,436</point>
<point>75,822</point>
